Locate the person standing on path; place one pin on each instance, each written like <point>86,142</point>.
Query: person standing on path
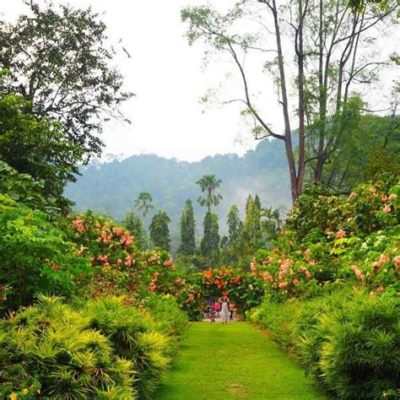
<point>225,308</point>
<point>217,306</point>
<point>211,311</point>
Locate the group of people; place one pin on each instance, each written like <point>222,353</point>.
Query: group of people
<point>221,308</point>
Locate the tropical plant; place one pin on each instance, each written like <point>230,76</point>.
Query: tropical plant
<point>35,256</point>
<point>51,351</point>
<point>143,203</point>
<point>133,337</point>
<point>209,185</point>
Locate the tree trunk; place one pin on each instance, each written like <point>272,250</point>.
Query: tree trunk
<point>285,107</point>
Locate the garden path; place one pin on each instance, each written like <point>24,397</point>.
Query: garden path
<point>234,361</point>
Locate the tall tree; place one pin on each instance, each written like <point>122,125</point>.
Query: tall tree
<point>135,226</point>
<point>209,185</point>
<point>323,38</point>
<point>144,203</point>
<point>188,243</point>
<point>159,231</point>
<point>233,222</point>
<point>211,239</point>
<point>38,147</point>
<point>59,61</point>
<point>252,224</point>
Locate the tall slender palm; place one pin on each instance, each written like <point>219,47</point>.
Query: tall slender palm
<point>143,202</point>
<point>209,185</point>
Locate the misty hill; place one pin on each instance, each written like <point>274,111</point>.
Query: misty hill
<point>112,187</point>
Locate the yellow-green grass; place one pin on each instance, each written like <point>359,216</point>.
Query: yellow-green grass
<point>234,361</point>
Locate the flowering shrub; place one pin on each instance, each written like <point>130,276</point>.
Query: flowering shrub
<point>330,238</point>
<point>120,268</point>
<point>244,289</point>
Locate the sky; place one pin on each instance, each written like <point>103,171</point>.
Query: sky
<point>168,78</point>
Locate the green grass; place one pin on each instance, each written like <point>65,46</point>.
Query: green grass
<point>234,361</point>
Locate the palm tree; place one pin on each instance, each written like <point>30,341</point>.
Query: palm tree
<point>143,203</point>
<point>209,185</point>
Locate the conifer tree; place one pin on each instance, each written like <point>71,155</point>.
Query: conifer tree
<point>233,223</point>
<point>135,226</point>
<point>252,223</point>
<point>210,242</point>
<point>188,244</point>
<point>159,231</point>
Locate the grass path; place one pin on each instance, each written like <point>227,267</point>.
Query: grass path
<point>233,361</point>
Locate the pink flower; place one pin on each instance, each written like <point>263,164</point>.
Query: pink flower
<point>387,209</point>
<point>128,260</point>
<point>168,263</point>
<point>152,287</point>
<point>117,231</point>
<point>396,262</point>
<point>283,284</point>
<point>79,225</point>
<point>358,273</point>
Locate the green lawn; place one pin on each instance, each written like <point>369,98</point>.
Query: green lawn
<point>234,361</point>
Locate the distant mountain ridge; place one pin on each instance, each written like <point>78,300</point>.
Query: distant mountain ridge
<point>111,187</point>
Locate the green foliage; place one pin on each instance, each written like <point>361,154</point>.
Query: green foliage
<point>234,224</point>
<point>50,351</point>
<point>348,340</point>
<point>24,189</point>
<point>133,337</point>
<point>35,257</point>
<point>188,226</point>
<point>209,184</point>
<point>159,231</point>
<point>110,187</point>
<point>169,318</point>
<point>252,224</point>
<point>59,61</point>
<point>37,146</point>
<point>210,242</point>
<point>135,226</point>
<point>144,203</point>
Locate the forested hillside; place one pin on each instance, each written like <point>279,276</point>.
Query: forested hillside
<point>112,187</point>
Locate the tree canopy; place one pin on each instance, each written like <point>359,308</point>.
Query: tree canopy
<point>59,61</point>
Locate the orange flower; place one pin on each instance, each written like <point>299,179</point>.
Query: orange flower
<point>396,262</point>
<point>340,234</point>
<point>387,209</point>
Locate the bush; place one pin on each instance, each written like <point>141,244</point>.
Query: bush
<point>35,257</point>
<point>49,351</point>
<point>348,340</point>
<point>169,318</point>
<point>134,337</point>
<point>102,349</point>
